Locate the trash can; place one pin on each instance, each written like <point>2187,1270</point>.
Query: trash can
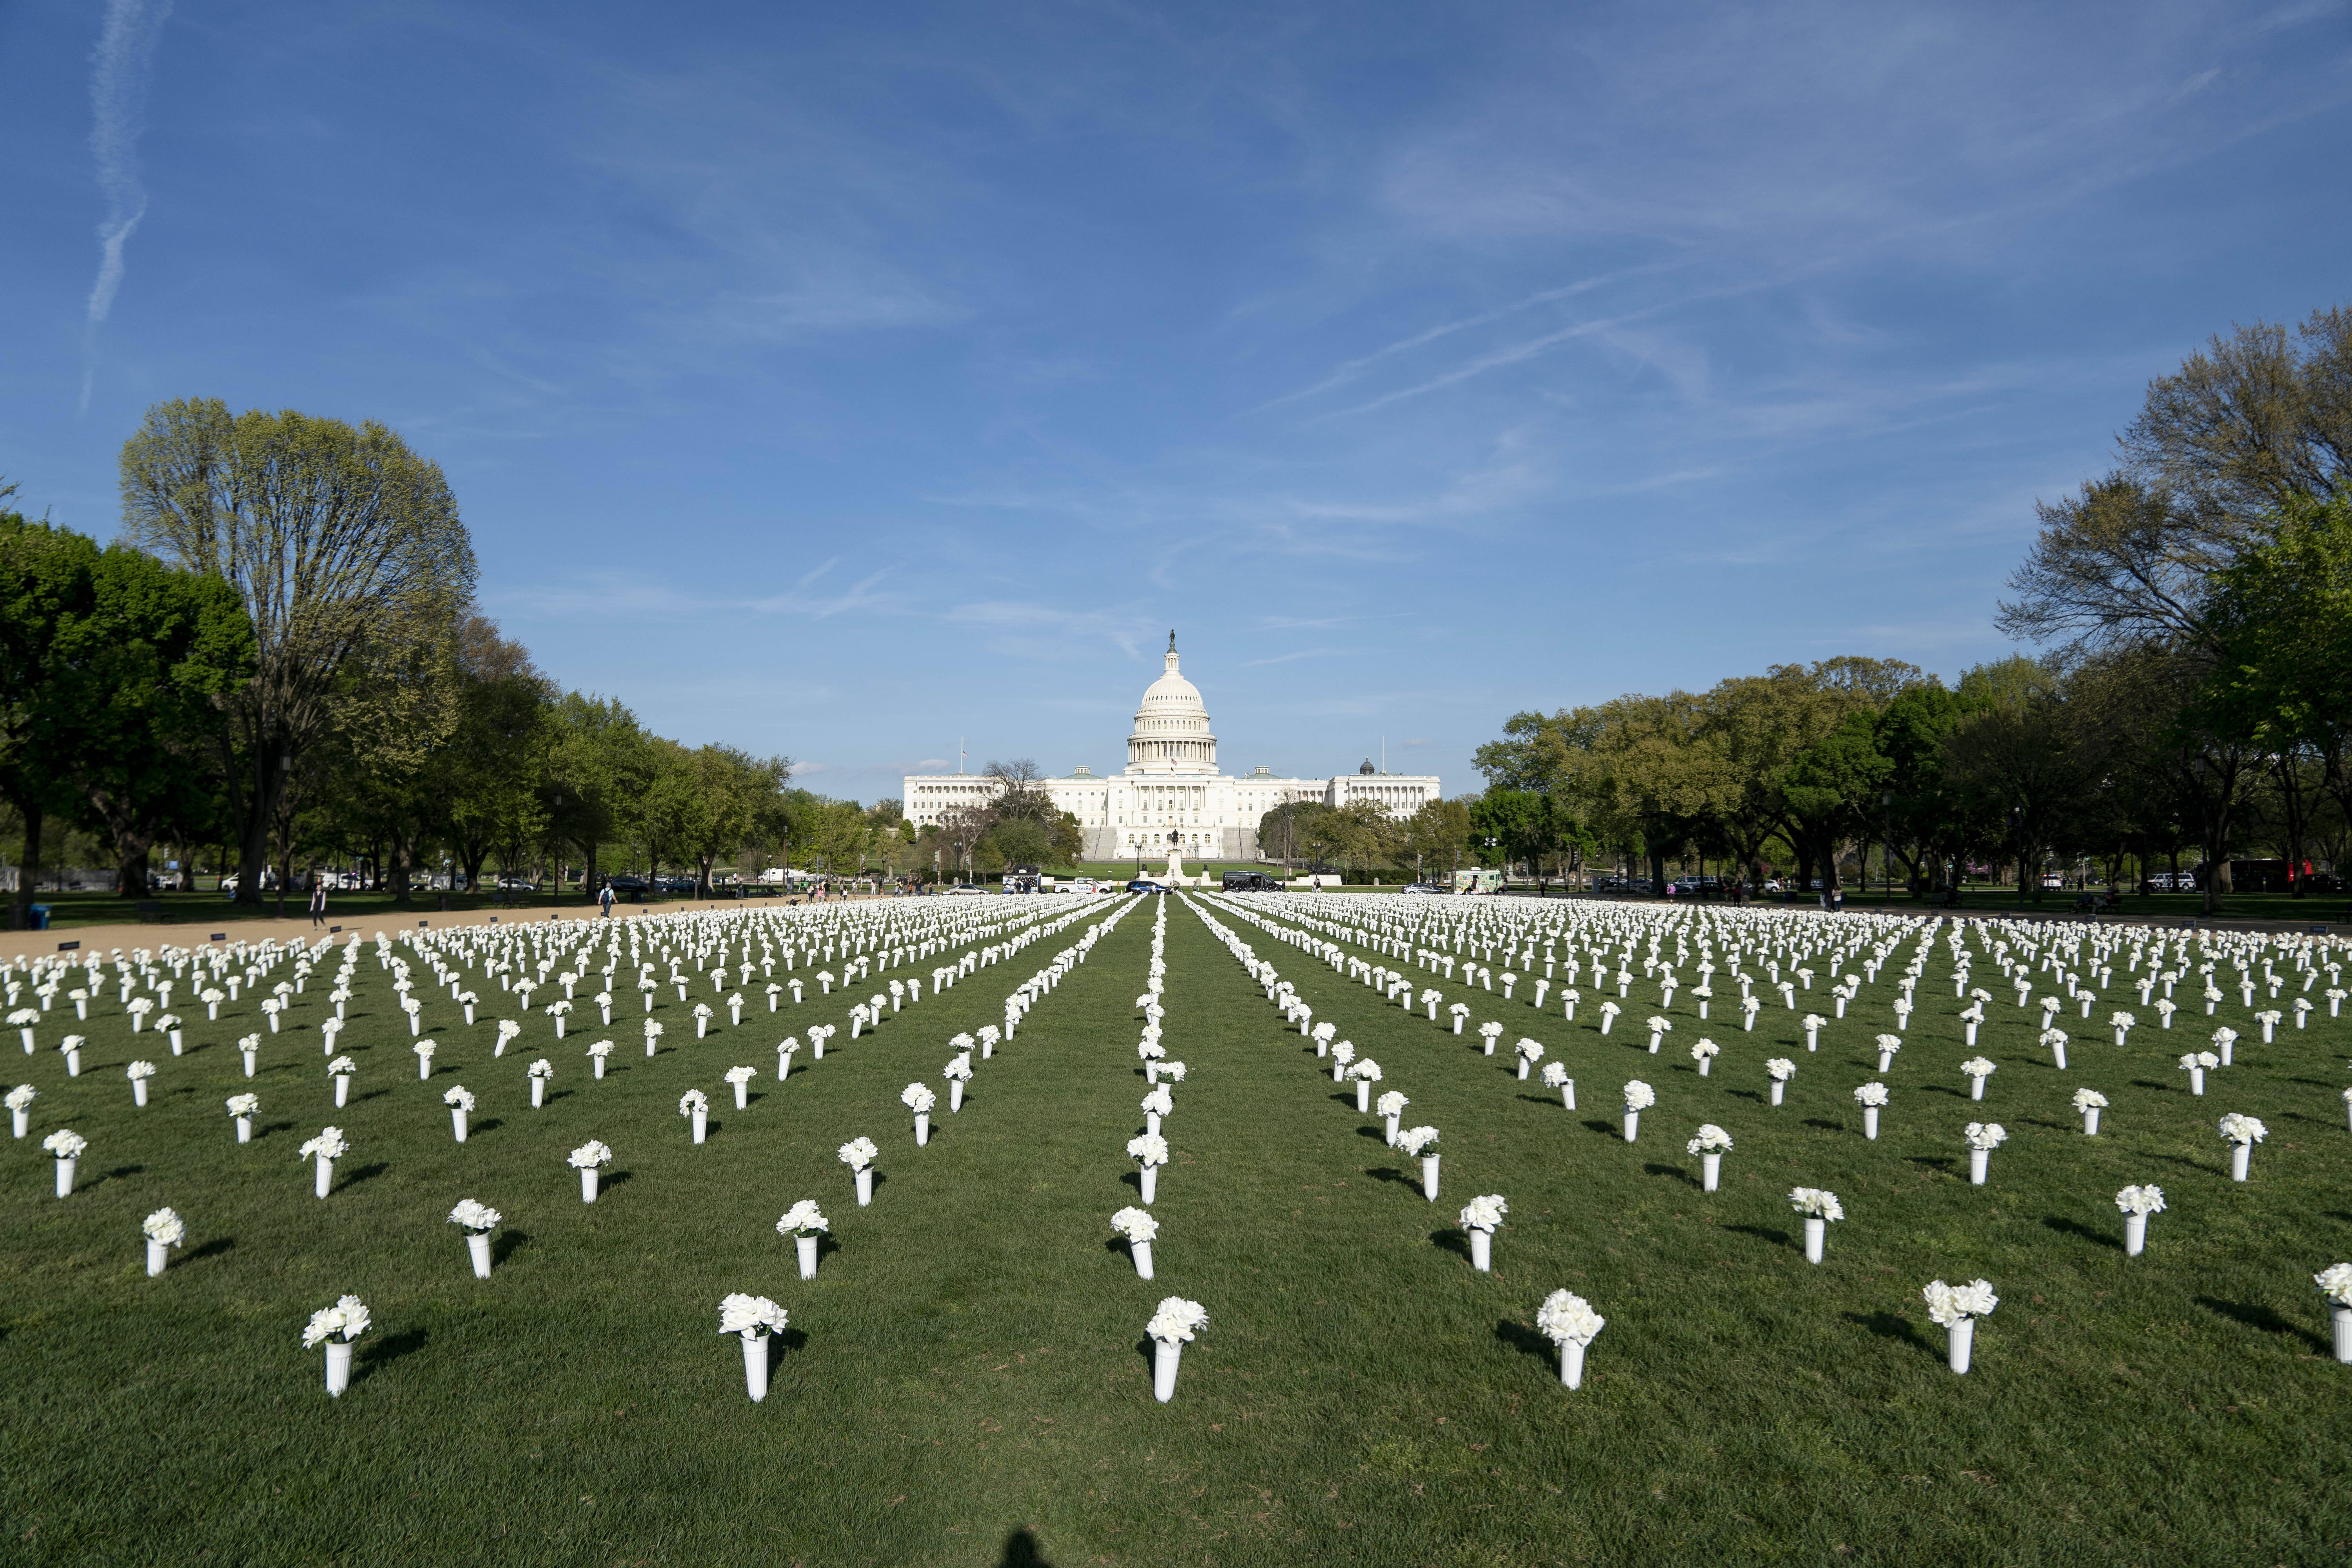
<point>40,917</point>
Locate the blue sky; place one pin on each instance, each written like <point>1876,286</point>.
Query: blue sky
<point>841,381</point>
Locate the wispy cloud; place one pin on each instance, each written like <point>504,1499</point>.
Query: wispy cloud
<point>119,68</point>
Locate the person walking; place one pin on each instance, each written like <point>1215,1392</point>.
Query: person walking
<point>604,900</point>
<point>318,900</point>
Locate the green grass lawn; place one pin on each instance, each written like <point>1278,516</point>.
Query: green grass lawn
<point>970,1365</point>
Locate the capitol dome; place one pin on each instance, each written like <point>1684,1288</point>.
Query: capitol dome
<point>1172,727</point>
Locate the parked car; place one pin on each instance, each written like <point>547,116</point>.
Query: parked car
<point>1145,885</point>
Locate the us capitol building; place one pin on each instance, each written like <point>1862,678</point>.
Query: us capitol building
<point>1171,798</point>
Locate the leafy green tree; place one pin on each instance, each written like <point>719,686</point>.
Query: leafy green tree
<point>45,585</point>
<point>335,538</point>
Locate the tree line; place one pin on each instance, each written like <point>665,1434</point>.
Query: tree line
<point>280,656</point>
<point>2191,690</point>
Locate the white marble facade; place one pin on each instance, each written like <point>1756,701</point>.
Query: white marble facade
<point>1171,795</point>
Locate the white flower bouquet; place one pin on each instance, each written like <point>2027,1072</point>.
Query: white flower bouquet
<point>754,1318</point>
<point>1703,1051</point>
<point>327,1148</point>
<point>1983,1138</point>
<point>2225,1041</point>
<point>1139,1229</point>
<point>1782,1069</point>
<point>163,1230</point>
<point>1887,1046</point>
<point>477,1220</point>
<point>1171,1327</point>
<point>337,1326</point>
<point>740,1078</point>
<point>1638,1097</point>
<point>1555,1076</point>
<point>1820,1206</point>
<point>425,1050</point>
<point>1956,1307</point>
<point>460,1102</point>
<point>2089,1102</point>
<point>1568,1320</point>
<point>1979,1069</point>
<point>918,1099</point>
<point>1659,1028</point>
<point>1481,1217</point>
<point>2243,1134</point>
<point>1711,1144</point>
<point>2138,1203</point>
<point>586,1159</point>
<point>805,1223</point>
<point>858,1153</point>
<point>20,1107</point>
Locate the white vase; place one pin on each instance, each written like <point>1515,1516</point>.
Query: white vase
<point>2241,1156</point>
<point>806,1246</point>
<point>1150,1122</point>
<point>1976,1087</point>
<point>2229,1049</point>
<point>1338,1072</point>
<point>138,1091</point>
<point>2343,1316</point>
<point>1141,1252</point>
<point>1886,1061</point>
<point>1971,1025</point>
<point>865,1174</point>
<point>1870,1122</point>
<point>1363,1096</point>
<point>478,1244</point>
<point>700,1117</point>
<point>338,1367</point>
<point>1164,1359</point>
<point>701,1027</point>
<point>66,1177</point>
<point>1482,1251</point>
<point>175,1042</point>
<point>955,1095</point>
<point>1523,1069</point>
<point>1960,1341</point>
<point>784,1066</point>
<point>2091,1121</point>
<point>538,1093</point>
<point>1632,1124</point>
<point>158,1254</point>
<point>245,1129</point>
<point>1779,1088</point>
<point>1979,1166</point>
<point>755,1366</point>
<point>1429,1177</point>
<point>587,1184</point>
<point>2059,1051</point>
<point>1817,1230</point>
<point>742,1095</point>
<point>1150,1183</point>
<point>424,1067</point>
<point>342,1090</point>
<point>2196,1081</point>
<point>922,1128</point>
<point>1571,1364</point>
<point>326,1175</point>
<point>2134,1235</point>
<point>1390,1133</point>
<point>1710,1172</point>
<point>457,1121</point>
<point>650,1041</point>
<point>23,1120</point>
<point>816,1050</point>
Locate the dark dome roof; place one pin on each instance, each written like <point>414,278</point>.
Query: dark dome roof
<point>1367,767</point>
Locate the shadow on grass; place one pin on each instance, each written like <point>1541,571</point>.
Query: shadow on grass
<point>1132,1179</point>
<point>1452,1239</point>
<point>1390,1173</point>
<point>2143,1083</point>
<point>1944,1088</point>
<point>346,1180</point>
<point>1346,1099</point>
<point>1520,1337</point>
<point>111,1175</point>
<point>2097,1238</point>
<point>1379,1132</point>
<point>212,1248</point>
<point>1021,1551</point>
<point>1655,1169</point>
<point>377,1354</point>
<point>264,1129</point>
<point>2255,1315</point>
<point>1824,1126</point>
<point>480,1127</point>
<point>1934,1162</point>
<point>560,1094</point>
<point>1607,1129</point>
<point>1777,1238</point>
<point>1746,1094</point>
<point>508,1243</point>
<point>1890,1326</point>
<point>1539,1099</point>
<point>370,1094</point>
<point>607,1181</point>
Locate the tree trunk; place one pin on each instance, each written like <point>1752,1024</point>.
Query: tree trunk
<point>20,915</point>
